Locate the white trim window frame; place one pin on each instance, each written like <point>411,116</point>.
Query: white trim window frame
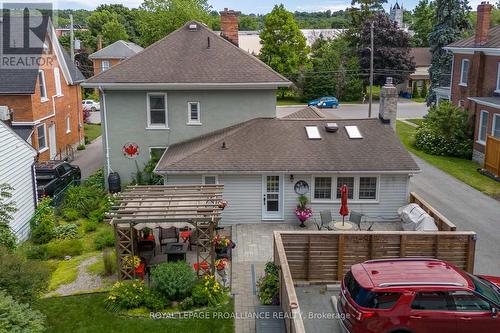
<point>42,85</point>
<point>496,123</point>
<point>204,179</point>
<point>103,66</point>
<point>68,124</point>
<point>464,72</point>
<point>158,125</point>
<point>355,188</point>
<point>483,128</point>
<point>497,90</point>
<point>45,146</point>
<point>191,120</point>
<point>57,81</point>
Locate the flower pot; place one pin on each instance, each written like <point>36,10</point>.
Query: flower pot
<point>223,253</point>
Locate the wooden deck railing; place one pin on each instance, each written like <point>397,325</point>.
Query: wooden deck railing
<point>442,222</point>
<point>492,155</point>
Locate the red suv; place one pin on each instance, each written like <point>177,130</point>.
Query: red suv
<point>417,296</point>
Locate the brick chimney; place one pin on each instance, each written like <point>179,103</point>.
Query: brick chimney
<point>483,23</point>
<point>229,25</point>
<point>388,107</point>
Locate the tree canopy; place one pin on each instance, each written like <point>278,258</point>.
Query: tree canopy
<point>422,22</point>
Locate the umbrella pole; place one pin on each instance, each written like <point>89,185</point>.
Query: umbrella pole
<point>343,217</point>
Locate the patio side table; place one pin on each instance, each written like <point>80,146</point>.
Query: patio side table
<point>176,251</point>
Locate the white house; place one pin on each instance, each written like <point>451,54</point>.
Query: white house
<point>17,158</point>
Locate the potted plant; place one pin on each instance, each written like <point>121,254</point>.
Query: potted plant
<point>223,246</point>
<point>302,211</point>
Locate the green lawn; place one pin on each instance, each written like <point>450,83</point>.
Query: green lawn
<point>416,121</point>
<point>464,170</point>
<point>92,131</point>
<point>289,101</point>
<point>88,314</point>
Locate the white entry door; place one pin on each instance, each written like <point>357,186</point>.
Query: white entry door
<point>52,141</point>
<point>272,197</point>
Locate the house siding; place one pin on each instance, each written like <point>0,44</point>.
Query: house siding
<point>126,114</point>
<point>244,195</point>
<point>16,161</point>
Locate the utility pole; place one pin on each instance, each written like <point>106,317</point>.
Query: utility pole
<point>371,70</point>
<point>71,37</point>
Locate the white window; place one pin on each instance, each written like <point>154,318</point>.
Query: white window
<point>495,129</point>
<point>210,179</point>
<point>155,153</point>
<point>464,75</point>
<point>367,188</point>
<point>43,88</point>
<point>104,65</point>
<point>349,181</point>
<point>483,127</point>
<point>41,137</point>
<point>57,80</point>
<point>360,188</point>
<point>194,113</point>
<point>498,77</point>
<point>157,111</point>
<point>68,124</point>
<point>323,188</point>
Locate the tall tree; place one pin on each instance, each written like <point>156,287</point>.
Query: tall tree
<point>360,12</point>
<point>158,18</point>
<point>423,16</point>
<point>7,208</point>
<point>450,22</point>
<point>284,46</point>
<point>113,31</point>
<point>391,50</point>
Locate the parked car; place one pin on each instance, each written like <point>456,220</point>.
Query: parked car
<point>53,176</point>
<point>417,296</point>
<point>324,102</point>
<point>90,105</point>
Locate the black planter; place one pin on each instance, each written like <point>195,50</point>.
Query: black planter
<point>223,253</point>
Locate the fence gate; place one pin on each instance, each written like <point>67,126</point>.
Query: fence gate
<point>492,155</point>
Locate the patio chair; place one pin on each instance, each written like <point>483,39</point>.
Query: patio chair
<point>326,220</point>
<point>167,236</point>
<point>356,218</point>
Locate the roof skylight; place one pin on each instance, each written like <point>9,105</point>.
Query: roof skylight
<point>313,133</point>
<point>353,132</point>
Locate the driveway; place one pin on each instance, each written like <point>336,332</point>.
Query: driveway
<point>467,208</point>
<point>90,159</point>
<point>406,109</point>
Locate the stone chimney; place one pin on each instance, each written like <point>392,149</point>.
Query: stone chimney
<point>483,23</point>
<point>229,25</point>
<point>388,108</point>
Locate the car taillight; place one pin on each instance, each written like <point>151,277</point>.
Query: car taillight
<point>364,315</point>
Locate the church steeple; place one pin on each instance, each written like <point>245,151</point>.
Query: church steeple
<point>396,14</point>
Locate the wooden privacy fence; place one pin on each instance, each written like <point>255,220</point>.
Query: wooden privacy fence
<point>492,155</point>
<point>442,223</point>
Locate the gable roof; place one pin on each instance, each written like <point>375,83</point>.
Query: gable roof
<point>309,112</point>
<point>22,81</point>
<point>118,50</point>
<point>281,145</point>
<point>492,42</point>
<point>18,138</point>
<point>190,56</point>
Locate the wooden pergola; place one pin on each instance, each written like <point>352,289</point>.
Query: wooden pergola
<point>165,206</point>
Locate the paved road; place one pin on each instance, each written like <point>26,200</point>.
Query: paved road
<point>94,118</point>
<point>467,208</point>
<point>90,159</point>
<point>406,109</point>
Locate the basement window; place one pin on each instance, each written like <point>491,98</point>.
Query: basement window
<point>313,133</point>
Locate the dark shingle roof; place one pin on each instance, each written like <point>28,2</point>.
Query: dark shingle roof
<point>308,113</point>
<point>184,56</point>
<point>76,75</point>
<point>24,131</point>
<point>118,50</point>
<point>422,56</point>
<point>266,144</point>
<point>493,40</point>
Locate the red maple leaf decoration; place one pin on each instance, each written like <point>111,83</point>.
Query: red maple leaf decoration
<point>131,149</point>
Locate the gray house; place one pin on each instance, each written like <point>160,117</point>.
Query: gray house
<point>188,84</point>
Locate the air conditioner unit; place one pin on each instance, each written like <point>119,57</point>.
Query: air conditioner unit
<point>4,113</point>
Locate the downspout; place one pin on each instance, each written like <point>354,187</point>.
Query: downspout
<point>33,181</point>
<point>105,118</point>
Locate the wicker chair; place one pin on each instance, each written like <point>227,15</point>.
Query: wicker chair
<point>167,236</point>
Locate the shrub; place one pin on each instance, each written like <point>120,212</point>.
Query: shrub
<point>444,132</point>
<point>66,247</point>
<point>424,91</point>
<point>174,280</point>
<point>109,261</point>
<point>208,292</point>
<point>81,146</point>
<point>415,93</point>
<point>186,304</point>
<point>84,199</point>
<point>96,180</point>
<point>89,226</point>
<point>43,223</point>
<point>70,214</point>
<point>127,294</point>
<point>19,318</point>
<point>153,300</point>
<point>38,252</point>
<point>104,238</point>
<point>66,231</point>
<point>269,285</point>
<point>98,215</point>
<point>22,279</point>
<point>7,238</point>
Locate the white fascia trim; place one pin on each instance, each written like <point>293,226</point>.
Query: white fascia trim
<point>480,102</point>
<point>33,123</point>
<point>184,86</point>
<point>471,50</point>
<point>59,54</point>
<point>244,172</point>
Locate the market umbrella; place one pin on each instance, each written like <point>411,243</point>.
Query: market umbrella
<point>344,210</point>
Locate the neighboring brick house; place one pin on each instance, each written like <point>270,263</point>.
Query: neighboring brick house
<point>112,54</point>
<point>44,102</point>
<point>475,79</point>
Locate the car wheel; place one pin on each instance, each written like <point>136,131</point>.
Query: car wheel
<point>93,109</point>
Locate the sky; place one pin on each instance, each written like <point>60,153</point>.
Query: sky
<point>245,6</point>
